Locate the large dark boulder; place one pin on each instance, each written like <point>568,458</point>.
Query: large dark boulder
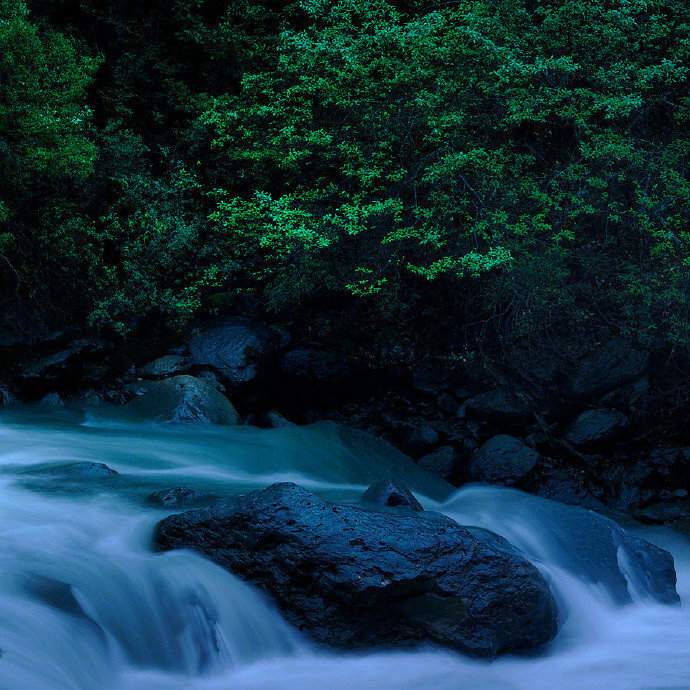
<point>596,426</point>
<point>499,405</point>
<point>235,348</point>
<point>356,577</point>
<point>503,460</point>
<point>613,365</point>
<point>181,399</point>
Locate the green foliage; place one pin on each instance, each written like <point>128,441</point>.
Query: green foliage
<point>521,148</point>
<point>45,146</point>
<point>474,162</point>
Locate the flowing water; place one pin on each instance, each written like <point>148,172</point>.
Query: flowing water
<point>85,604</point>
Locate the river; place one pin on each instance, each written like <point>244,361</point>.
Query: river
<point>85,603</point>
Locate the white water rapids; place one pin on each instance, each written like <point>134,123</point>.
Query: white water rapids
<point>85,604</point>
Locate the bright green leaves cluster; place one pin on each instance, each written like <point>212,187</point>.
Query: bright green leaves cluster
<point>546,148</point>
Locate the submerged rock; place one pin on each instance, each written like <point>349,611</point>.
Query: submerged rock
<point>179,496</point>
<point>74,470</point>
<point>181,399</point>
<point>355,577</point>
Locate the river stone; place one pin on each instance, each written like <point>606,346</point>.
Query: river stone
<point>440,462</point>
<point>420,440</point>
<point>596,426</point>
<point>59,362</point>
<point>356,577</point>
<point>615,364</point>
<point>498,405</point>
<point>235,348</point>
<point>181,399</point>
<point>503,460</point>
<point>390,494</point>
<point>167,365</point>
<point>275,420</point>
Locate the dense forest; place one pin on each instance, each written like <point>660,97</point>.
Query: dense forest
<point>467,174</point>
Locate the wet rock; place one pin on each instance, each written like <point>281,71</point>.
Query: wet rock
<point>448,404</point>
<point>179,496</point>
<point>596,426</point>
<point>537,440</point>
<point>498,405</point>
<point>649,479</point>
<point>87,398</point>
<point>236,348</point>
<point>52,400</point>
<point>503,460</point>
<point>420,440</point>
<point>591,547</point>
<point>613,365</point>
<point>566,485</point>
<point>6,396</point>
<point>61,363</point>
<point>275,420</point>
<point>356,578</point>
<point>390,494</point>
<point>442,462</point>
<point>163,367</point>
<point>94,372</point>
<point>181,398</point>
<point>364,458</point>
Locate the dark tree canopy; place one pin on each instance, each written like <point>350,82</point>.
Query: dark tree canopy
<point>503,170</point>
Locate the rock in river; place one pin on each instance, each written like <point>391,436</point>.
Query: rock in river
<point>503,460</point>
<point>235,348</point>
<point>181,399</point>
<point>596,426</point>
<point>356,576</point>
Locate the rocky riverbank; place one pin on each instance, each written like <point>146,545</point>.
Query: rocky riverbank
<point>580,432</point>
